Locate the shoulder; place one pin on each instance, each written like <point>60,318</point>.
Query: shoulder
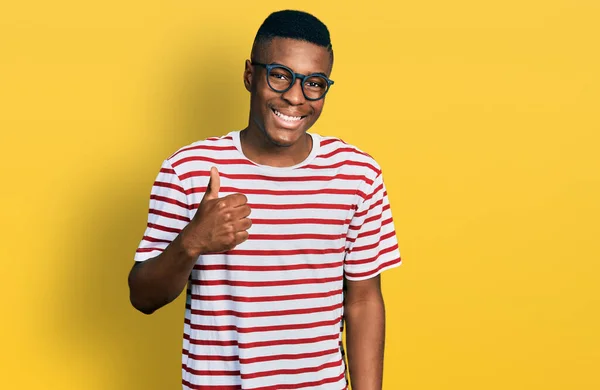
<point>205,149</point>
<point>337,151</point>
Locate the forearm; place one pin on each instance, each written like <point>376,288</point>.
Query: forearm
<point>158,281</point>
<point>365,339</point>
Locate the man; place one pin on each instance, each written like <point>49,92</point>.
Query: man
<point>279,234</point>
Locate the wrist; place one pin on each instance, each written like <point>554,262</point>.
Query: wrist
<point>189,245</point>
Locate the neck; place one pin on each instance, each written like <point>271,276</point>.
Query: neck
<point>257,147</point>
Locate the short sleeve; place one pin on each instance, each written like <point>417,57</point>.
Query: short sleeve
<point>168,214</point>
<point>371,242</point>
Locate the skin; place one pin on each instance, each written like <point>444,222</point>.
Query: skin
<point>364,312</point>
<point>221,223</point>
<point>266,140</point>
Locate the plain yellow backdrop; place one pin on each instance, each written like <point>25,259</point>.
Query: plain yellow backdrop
<point>483,114</point>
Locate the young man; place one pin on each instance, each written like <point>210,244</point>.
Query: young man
<point>279,234</point>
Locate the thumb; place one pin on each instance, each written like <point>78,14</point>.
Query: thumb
<point>214,185</point>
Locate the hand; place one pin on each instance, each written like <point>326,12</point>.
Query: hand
<point>220,224</point>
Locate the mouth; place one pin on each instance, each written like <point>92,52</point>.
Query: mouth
<point>287,118</point>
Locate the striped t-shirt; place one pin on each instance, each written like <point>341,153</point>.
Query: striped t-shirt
<point>268,314</point>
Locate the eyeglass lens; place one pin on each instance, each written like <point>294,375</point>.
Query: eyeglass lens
<point>280,80</point>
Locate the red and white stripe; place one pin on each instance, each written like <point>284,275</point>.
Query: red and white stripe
<point>268,314</point>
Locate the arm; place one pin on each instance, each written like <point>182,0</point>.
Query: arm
<point>364,312</point>
<point>219,225</point>
<point>158,281</point>
<point>372,248</point>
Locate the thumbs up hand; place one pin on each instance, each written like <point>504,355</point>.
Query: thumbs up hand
<point>220,224</point>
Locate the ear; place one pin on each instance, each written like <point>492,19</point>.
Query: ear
<point>248,76</point>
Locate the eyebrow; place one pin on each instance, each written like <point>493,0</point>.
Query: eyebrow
<point>321,74</point>
<point>287,66</point>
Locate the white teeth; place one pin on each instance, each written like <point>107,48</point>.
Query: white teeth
<point>286,117</point>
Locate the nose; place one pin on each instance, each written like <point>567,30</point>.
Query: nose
<point>294,95</point>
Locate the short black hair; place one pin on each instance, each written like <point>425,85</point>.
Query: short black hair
<point>295,25</point>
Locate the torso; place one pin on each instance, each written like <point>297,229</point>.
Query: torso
<point>268,314</point>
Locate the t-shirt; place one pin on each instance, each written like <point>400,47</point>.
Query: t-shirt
<point>268,314</point>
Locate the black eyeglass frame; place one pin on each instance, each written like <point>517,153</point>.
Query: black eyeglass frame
<point>295,76</point>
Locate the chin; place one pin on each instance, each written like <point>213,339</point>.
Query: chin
<point>283,137</point>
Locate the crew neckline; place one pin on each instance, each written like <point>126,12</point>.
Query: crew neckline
<point>316,145</point>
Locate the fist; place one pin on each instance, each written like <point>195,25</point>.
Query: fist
<point>220,224</point>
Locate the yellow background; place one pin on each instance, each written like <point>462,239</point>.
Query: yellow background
<point>484,116</point>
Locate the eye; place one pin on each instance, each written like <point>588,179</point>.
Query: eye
<point>280,74</point>
<point>316,83</point>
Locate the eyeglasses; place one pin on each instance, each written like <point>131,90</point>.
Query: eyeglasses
<point>281,79</point>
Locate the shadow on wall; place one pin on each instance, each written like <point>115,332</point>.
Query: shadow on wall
<point>97,327</point>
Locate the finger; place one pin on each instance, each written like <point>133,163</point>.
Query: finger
<point>214,185</point>
<point>242,225</point>
<point>241,212</point>
<point>240,237</point>
<point>236,200</point>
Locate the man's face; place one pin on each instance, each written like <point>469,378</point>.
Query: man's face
<point>276,114</point>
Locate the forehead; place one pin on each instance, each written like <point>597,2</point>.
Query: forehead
<point>302,57</point>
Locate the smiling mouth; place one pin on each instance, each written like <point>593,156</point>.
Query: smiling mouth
<point>288,118</point>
